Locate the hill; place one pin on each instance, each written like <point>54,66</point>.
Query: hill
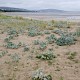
<point>50,10</point>
<point>11,9</point>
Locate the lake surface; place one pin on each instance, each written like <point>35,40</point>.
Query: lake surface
<point>69,16</point>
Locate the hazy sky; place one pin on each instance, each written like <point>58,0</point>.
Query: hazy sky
<point>43,4</point>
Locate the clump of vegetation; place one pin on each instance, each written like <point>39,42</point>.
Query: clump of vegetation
<point>11,45</point>
<point>48,55</point>
<point>61,78</point>
<point>19,18</point>
<point>13,32</point>
<point>34,32</point>
<point>19,44</point>
<point>39,75</point>
<point>51,39</point>
<point>26,48</point>
<point>77,33</point>
<point>8,38</point>
<point>15,57</point>
<point>46,32</point>
<point>61,24</point>
<point>58,31</point>
<point>72,55</point>
<point>4,16</point>
<point>20,22</point>
<point>36,42</point>
<point>2,53</point>
<point>65,40</point>
<point>42,45</point>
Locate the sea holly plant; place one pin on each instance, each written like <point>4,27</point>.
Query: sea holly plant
<point>34,32</point>
<point>2,53</point>
<point>46,32</point>
<point>8,38</point>
<point>36,42</point>
<point>48,55</point>
<point>58,31</point>
<point>72,55</point>
<point>19,44</point>
<point>42,45</point>
<point>13,32</point>
<point>65,40</point>
<point>15,57</point>
<point>51,39</point>
<point>39,75</point>
<point>11,45</point>
<point>26,48</point>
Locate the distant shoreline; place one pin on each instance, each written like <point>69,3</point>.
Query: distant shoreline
<point>46,16</point>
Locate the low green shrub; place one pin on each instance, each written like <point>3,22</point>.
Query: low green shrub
<point>19,44</point>
<point>26,48</point>
<point>72,55</point>
<point>61,24</point>
<point>2,53</point>
<point>8,38</point>
<point>58,31</point>
<point>39,75</point>
<point>77,33</point>
<point>46,32</point>
<point>32,33</point>
<point>65,40</point>
<point>12,32</point>
<point>36,42</point>
<point>11,45</point>
<point>42,45</point>
<point>15,57</point>
<point>51,39</point>
<point>48,55</point>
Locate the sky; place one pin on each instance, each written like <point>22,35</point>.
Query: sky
<point>68,5</point>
